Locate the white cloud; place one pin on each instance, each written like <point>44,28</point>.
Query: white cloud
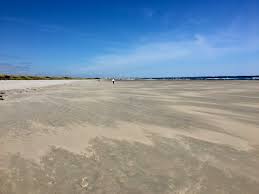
<point>221,47</point>
<point>199,47</point>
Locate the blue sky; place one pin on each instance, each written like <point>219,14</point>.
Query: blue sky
<point>129,38</point>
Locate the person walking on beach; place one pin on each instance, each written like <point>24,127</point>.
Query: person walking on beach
<point>113,81</point>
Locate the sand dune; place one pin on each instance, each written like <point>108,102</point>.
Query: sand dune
<point>131,137</point>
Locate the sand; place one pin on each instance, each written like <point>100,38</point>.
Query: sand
<point>24,84</point>
<point>132,137</point>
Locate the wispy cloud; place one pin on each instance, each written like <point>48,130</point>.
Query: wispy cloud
<point>200,48</point>
<point>56,28</point>
<point>14,64</point>
<point>4,56</point>
<point>42,26</point>
<point>8,68</point>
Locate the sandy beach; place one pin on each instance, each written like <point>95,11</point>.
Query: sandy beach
<point>149,137</point>
<point>28,84</point>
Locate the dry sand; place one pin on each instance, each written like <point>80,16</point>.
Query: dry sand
<point>24,84</point>
<point>131,137</point>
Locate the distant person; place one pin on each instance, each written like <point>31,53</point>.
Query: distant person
<point>113,81</point>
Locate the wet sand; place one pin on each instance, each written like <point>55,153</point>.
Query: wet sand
<point>131,137</point>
